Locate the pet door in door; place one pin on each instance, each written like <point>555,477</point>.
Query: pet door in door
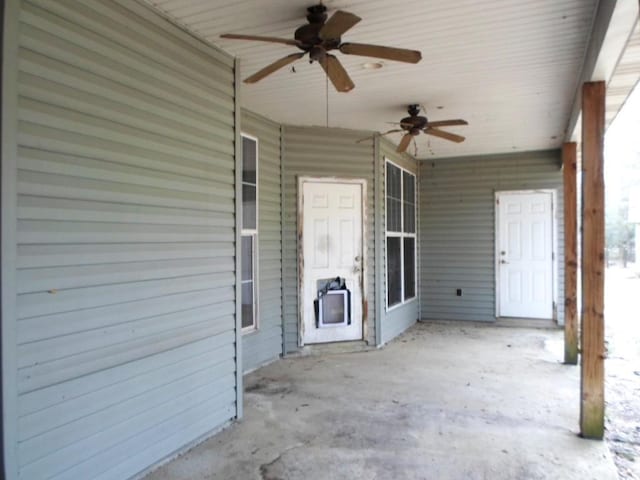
<point>333,309</point>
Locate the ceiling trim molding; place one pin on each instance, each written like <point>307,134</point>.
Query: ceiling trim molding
<point>612,28</point>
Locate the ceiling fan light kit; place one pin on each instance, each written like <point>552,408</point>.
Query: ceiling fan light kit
<point>372,65</point>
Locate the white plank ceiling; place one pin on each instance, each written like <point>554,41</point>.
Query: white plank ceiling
<point>509,68</point>
<point>625,76</point>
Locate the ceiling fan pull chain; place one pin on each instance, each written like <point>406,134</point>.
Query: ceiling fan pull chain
<point>326,90</point>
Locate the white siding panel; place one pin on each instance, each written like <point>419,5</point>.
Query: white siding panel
<point>125,239</point>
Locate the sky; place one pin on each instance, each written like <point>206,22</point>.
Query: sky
<point>622,152</point>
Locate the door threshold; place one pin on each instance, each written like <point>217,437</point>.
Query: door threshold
<point>526,322</point>
<point>353,346</point>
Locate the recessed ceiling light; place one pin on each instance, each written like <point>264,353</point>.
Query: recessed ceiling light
<point>372,65</point>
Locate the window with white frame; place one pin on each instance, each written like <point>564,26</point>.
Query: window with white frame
<point>249,233</point>
<point>400,234</point>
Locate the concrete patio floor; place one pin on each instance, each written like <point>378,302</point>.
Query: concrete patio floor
<point>443,401</point>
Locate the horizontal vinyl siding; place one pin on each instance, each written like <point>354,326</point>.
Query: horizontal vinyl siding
<point>322,152</point>
<point>265,344</point>
<point>457,228</point>
<point>399,318</point>
<point>125,240</point>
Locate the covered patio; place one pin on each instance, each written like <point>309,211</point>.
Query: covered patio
<point>443,400</point>
<point>185,253</point>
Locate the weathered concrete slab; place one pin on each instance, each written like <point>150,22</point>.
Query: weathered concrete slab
<point>444,401</point>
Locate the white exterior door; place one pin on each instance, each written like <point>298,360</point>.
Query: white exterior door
<point>331,247</point>
<point>525,255</point>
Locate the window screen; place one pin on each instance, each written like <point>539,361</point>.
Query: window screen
<point>394,198</point>
<point>408,202</point>
<point>394,271</point>
<point>248,287</point>
<point>401,234</point>
<point>249,183</point>
<point>409,267</point>
<point>249,231</point>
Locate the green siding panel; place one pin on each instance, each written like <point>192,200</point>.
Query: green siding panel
<point>399,318</point>
<point>125,331</point>
<point>265,344</point>
<point>457,228</point>
<point>322,152</point>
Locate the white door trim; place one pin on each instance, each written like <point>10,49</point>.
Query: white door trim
<point>300,230</point>
<point>554,243</point>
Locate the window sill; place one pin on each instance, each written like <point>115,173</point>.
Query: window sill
<point>246,331</point>
<point>402,304</point>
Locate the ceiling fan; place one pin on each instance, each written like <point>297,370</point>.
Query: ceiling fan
<point>415,123</point>
<point>320,36</point>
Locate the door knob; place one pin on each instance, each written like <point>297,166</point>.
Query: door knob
<point>357,259</point>
<point>503,261</point>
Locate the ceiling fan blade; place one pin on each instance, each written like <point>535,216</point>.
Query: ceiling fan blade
<point>446,135</point>
<point>277,65</point>
<point>404,143</point>
<point>258,38</point>
<point>336,73</point>
<point>448,123</point>
<point>392,131</point>
<point>377,51</point>
<point>339,23</point>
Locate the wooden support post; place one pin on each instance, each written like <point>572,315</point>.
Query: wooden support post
<point>570,255</point>
<point>592,337</point>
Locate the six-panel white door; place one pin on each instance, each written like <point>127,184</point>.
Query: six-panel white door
<point>331,247</point>
<point>525,255</point>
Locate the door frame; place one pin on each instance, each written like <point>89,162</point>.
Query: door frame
<point>300,218</point>
<point>554,245</point>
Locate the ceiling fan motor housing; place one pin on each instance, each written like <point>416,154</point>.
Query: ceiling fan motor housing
<point>414,109</point>
<point>414,124</point>
<point>317,14</point>
<point>309,35</point>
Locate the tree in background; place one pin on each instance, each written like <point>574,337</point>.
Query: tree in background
<point>619,232</point>
<point>622,182</point>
